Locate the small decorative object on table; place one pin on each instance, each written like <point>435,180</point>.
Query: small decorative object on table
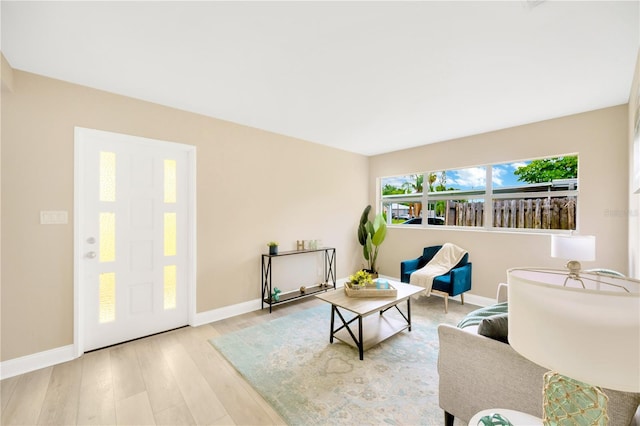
<point>303,289</point>
<point>299,244</point>
<point>273,247</point>
<point>505,417</point>
<point>494,420</point>
<point>275,296</point>
<point>382,284</point>
<point>361,284</point>
<point>361,278</point>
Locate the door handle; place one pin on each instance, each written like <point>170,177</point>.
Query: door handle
<point>91,255</point>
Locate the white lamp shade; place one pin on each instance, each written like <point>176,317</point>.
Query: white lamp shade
<point>591,335</point>
<point>574,247</point>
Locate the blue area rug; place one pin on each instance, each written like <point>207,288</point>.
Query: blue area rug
<point>307,380</point>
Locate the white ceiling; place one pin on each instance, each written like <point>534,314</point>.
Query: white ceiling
<point>367,77</point>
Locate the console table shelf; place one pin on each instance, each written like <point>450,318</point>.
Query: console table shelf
<point>329,277</point>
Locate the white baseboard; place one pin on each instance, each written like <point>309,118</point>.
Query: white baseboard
<point>473,299</point>
<point>469,298</point>
<point>25,364</point>
<point>213,315</point>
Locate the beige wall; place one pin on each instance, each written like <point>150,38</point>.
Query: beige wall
<point>6,72</point>
<point>252,187</point>
<point>279,188</point>
<point>634,198</point>
<point>600,139</point>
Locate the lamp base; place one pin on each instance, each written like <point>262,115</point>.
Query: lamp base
<point>574,268</point>
<point>570,402</point>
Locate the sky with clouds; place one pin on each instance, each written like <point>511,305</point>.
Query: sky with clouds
<point>469,178</point>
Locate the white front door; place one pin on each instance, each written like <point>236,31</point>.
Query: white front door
<point>133,241</point>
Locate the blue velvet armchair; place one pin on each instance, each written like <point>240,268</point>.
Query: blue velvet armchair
<point>453,283</point>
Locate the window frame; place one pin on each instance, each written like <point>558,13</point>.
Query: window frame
<point>488,195</point>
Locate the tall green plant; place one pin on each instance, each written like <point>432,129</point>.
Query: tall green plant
<point>370,236</point>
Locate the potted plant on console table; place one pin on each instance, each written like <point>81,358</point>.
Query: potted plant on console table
<point>273,247</point>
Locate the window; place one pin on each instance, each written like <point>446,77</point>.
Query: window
<point>402,197</point>
<point>170,234</point>
<point>456,197</point>
<point>544,196</point>
<point>534,194</point>
<point>452,197</point>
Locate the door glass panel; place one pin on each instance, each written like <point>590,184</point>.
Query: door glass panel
<point>169,234</point>
<point>170,287</point>
<point>107,237</point>
<point>170,181</point>
<point>107,310</point>
<point>107,176</point>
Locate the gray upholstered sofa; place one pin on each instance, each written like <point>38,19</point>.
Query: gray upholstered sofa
<point>478,373</point>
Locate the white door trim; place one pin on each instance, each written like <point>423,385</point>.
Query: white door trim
<point>79,175</point>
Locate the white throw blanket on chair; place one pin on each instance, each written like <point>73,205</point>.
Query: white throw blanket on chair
<point>444,260</point>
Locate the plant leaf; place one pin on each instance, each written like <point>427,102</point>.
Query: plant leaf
<point>380,233</point>
<point>373,260</point>
<point>362,231</point>
<point>368,248</point>
<point>362,235</point>
<point>364,218</point>
<point>369,228</point>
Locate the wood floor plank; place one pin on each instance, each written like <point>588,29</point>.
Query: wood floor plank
<point>224,421</point>
<point>135,410</point>
<point>7,386</point>
<point>60,405</point>
<point>175,415</point>
<point>23,408</point>
<point>161,386</point>
<point>96,405</point>
<point>127,377</point>
<point>202,401</point>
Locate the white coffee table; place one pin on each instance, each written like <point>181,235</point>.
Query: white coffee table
<point>372,329</point>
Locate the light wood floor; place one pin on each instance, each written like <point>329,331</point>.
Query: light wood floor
<point>174,378</point>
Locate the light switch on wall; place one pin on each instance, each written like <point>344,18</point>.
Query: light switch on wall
<point>54,217</point>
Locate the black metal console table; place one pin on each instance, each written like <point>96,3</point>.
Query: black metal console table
<point>329,275</point>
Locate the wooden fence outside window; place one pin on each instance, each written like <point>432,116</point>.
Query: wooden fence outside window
<point>532,213</point>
